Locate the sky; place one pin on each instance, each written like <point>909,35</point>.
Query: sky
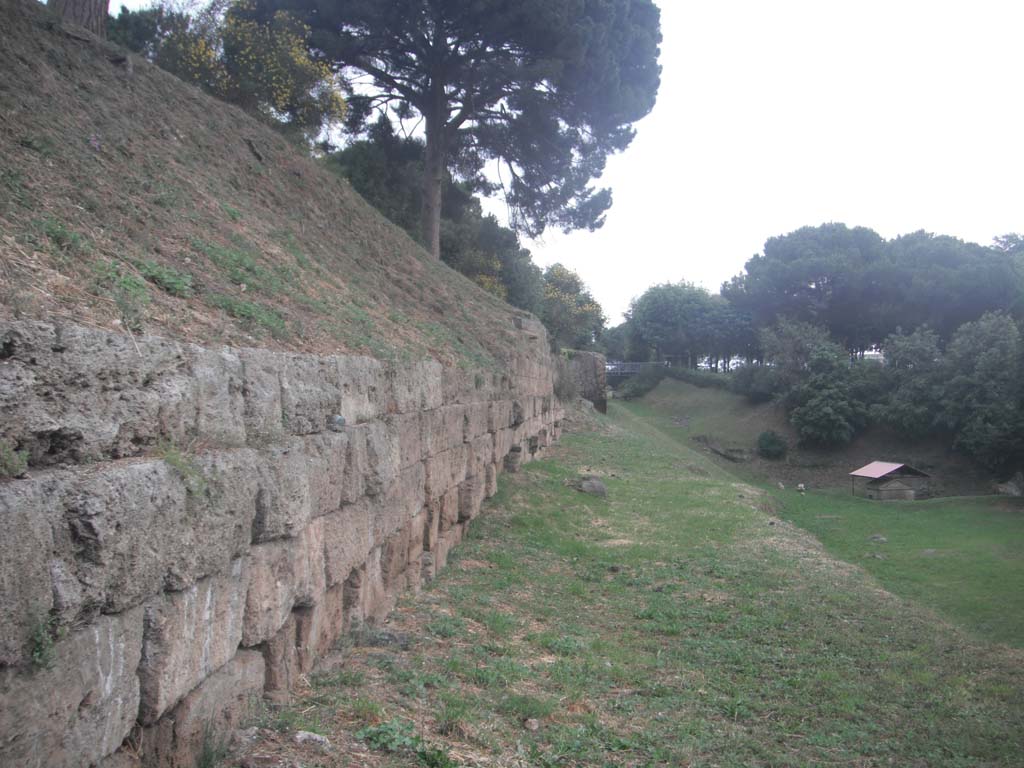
<point>897,115</point>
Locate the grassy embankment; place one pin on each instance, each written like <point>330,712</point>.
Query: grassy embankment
<point>963,556</point>
<point>678,622</point>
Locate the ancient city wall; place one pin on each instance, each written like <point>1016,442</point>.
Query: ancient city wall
<point>587,370</point>
<point>198,525</point>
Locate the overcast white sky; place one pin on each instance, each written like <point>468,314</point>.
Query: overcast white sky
<point>899,115</point>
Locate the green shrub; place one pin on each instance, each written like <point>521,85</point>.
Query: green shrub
<point>757,383</point>
<point>649,377</point>
<point>167,278</point>
<point>13,463</point>
<point>771,445</point>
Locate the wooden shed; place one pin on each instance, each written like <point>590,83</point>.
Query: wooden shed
<point>888,481</point>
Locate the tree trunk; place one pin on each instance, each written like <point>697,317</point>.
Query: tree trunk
<point>433,171</point>
<point>91,14</point>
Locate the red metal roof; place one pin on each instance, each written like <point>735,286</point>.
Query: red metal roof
<point>876,469</point>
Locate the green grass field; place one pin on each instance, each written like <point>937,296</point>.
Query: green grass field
<point>679,622</point>
<point>963,556</point>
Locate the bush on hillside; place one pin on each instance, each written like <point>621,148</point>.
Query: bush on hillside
<point>771,445</point>
<point>757,383</point>
<point>638,386</point>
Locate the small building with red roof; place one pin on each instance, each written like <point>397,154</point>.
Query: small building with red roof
<point>889,481</point>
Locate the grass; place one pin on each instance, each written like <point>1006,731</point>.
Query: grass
<point>257,317</point>
<point>168,279</point>
<point>678,622</point>
<point>961,556</point>
<point>13,462</point>
<point>185,465</point>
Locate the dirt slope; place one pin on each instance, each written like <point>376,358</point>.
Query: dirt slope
<point>131,200</point>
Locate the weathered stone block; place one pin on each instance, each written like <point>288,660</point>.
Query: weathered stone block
<point>347,540</point>
<point>283,574</point>
<point>404,500</point>
<point>281,659</point>
<point>129,527</point>
<point>373,458</point>
<point>366,600</point>
<point>364,388</point>
<point>311,392</point>
<point>222,702</point>
<point>261,395</point>
<point>219,380</point>
<point>415,387</point>
<point>438,473</point>
<point>80,710</point>
<point>188,636</point>
<point>27,512</point>
<point>317,627</point>
<point>504,439</point>
<point>432,523</point>
<point>284,504</point>
<point>471,495</point>
<point>394,556</point>
<point>491,480</point>
<point>499,416</point>
<point>444,428</point>
<point>326,456</point>
<point>70,393</point>
<point>407,430</point>
<point>476,420</point>
<point>136,529</point>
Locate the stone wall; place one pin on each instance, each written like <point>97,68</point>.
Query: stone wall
<point>197,526</point>
<point>589,376</point>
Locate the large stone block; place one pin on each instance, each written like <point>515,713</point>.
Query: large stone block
<point>281,659</point>
<point>317,627</point>
<point>311,392</point>
<point>219,380</point>
<point>79,710</point>
<point>27,514</point>
<point>221,703</point>
<point>407,430</point>
<point>403,501</point>
<point>394,557</point>
<point>471,495</point>
<point>188,636</point>
<point>476,421</point>
<point>504,439</point>
<point>443,428</point>
<point>135,529</point>
<point>70,393</point>
<point>366,601</point>
<point>499,416</point>
<point>373,460</point>
<point>261,395</point>
<point>284,504</point>
<point>127,524</point>
<point>415,387</point>
<point>431,524</point>
<point>283,574</point>
<point>364,388</point>
<point>347,540</point>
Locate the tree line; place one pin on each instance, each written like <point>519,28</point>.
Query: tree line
<point>944,315</point>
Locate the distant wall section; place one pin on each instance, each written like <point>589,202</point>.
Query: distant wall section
<point>587,370</point>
